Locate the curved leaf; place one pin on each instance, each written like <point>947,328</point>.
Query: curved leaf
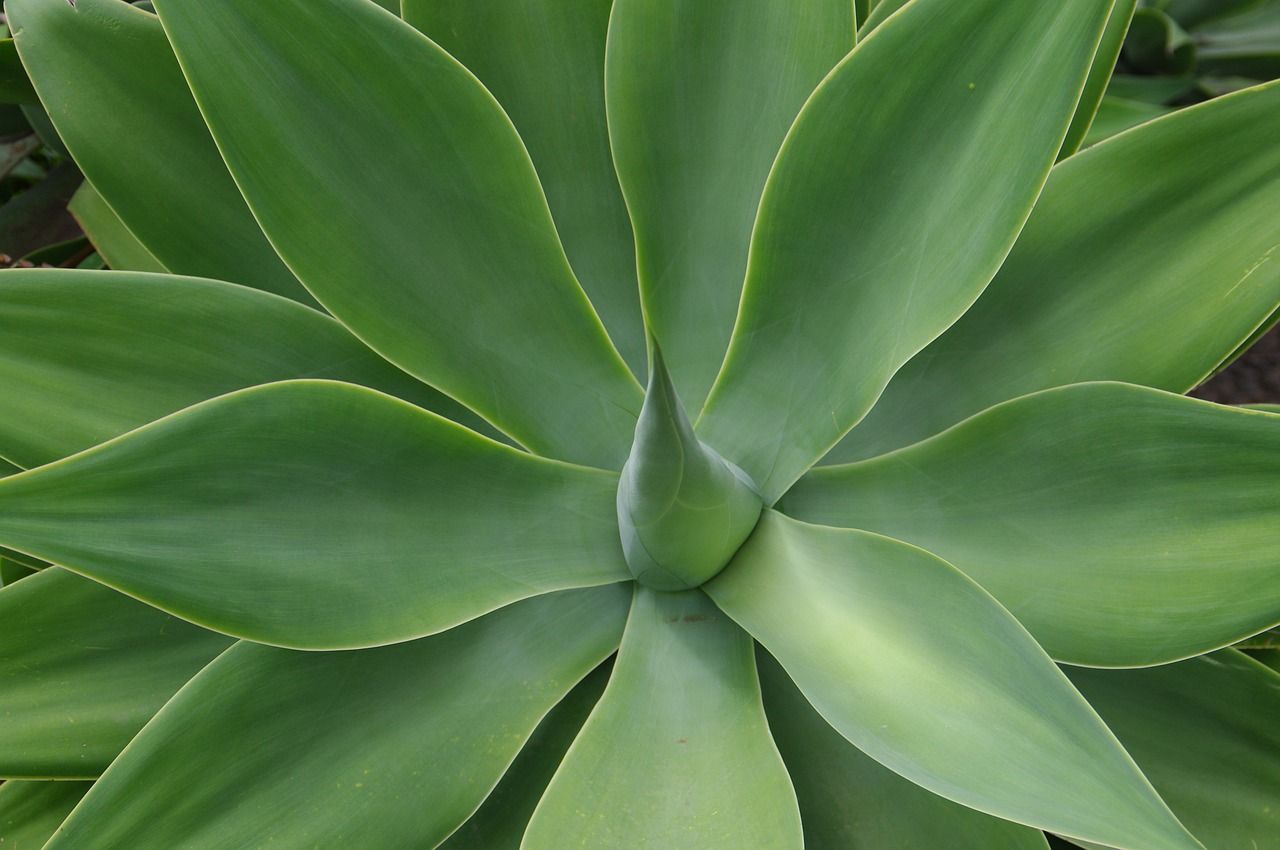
<point>31,811</point>
<point>1121,525</point>
<point>1204,731</point>
<point>109,235</point>
<point>848,800</point>
<point>892,203</point>
<point>117,97</point>
<point>86,356</point>
<point>700,97</point>
<point>1104,63</point>
<point>1148,260</point>
<point>927,674</point>
<point>389,747</point>
<point>84,667</point>
<point>677,753</point>
<point>439,252</point>
<point>317,515</point>
<point>544,62</point>
<point>500,823</point>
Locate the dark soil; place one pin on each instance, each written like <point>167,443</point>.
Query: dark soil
<point>1253,379</point>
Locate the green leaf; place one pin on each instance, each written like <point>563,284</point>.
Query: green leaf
<point>1193,12</point>
<point>677,753</point>
<point>1123,526</point>
<point>31,811</point>
<point>1245,44</point>
<point>879,15</point>
<point>682,509</point>
<point>440,251</point>
<point>118,99</point>
<point>1269,408</point>
<point>390,747</point>
<point>1204,731</point>
<point>849,800</point>
<point>317,515</point>
<point>38,217</point>
<point>1115,115</point>
<point>1157,45</point>
<point>923,671</point>
<point>500,823</point>
<point>86,356</point>
<point>1104,63</point>
<point>1148,260</point>
<point>544,62</point>
<point>15,86</point>
<point>109,235</point>
<point>12,570</point>
<point>84,667</point>
<point>891,205</point>
<point>700,97</point>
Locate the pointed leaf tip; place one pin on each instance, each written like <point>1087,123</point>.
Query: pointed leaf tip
<point>682,509</point>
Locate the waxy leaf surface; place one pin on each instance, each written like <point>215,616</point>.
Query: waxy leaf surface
<point>891,205</point>
<point>388,747</point>
<point>439,251</point>
<point>84,667</point>
<point>316,514</point>
<point>1148,259</point>
<point>31,811</point>
<point>923,671</point>
<point>108,77</point>
<point>86,356</point>
<point>677,752</point>
<point>700,98</point>
<point>1123,526</point>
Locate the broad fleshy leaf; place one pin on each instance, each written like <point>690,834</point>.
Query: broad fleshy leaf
<point>106,72</point>
<point>86,356</point>
<point>1104,63</point>
<point>677,753</point>
<point>923,671</point>
<point>1205,733</point>
<point>320,515</point>
<point>700,97</point>
<point>1123,526</point>
<point>440,251</point>
<point>544,62</point>
<point>850,801</point>
<point>500,823</point>
<point>1115,115</point>
<point>31,811</point>
<point>892,203</point>
<point>388,747</point>
<point>109,235</point>
<point>84,667</point>
<point>1148,260</point>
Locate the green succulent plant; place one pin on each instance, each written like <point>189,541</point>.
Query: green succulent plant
<point>330,507</point>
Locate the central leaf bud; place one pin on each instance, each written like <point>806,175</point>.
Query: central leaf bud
<point>683,509</point>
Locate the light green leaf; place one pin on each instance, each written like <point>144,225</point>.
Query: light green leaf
<point>1149,259</point>
<point>109,235</point>
<point>682,509</point>
<point>380,748</point>
<point>317,515</point>
<point>500,823</point>
<point>1123,526</point>
<point>1204,731</point>
<point>86,356</point>
<point>890,207</point>
<point>439,251</point>
<point>923,671</point>
<point>1104,63</point>
<point>677,753</point>
<point>700,97</point>
<point>31,811</point>
<point>544,62</point>
<point>848,800</point>
<point>1115,115</point>
<point>119,101</point>
<point>84,667</point>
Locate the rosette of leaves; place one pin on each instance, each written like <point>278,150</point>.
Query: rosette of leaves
<point>352,503</point>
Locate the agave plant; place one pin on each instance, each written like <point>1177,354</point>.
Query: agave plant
<point>352,498</point>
